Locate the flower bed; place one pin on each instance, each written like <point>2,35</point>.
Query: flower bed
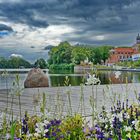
<point>121,123</point>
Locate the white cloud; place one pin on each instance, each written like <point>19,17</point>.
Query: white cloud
<point>42,36</point>
<point>25,36</point>
<point>100,37</point>
<point>16,55</point>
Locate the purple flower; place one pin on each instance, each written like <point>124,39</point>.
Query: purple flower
<point>17,139</point>
<point>101,135</point>
<point>58,122</point>
<point>53,134</point>
<point>91,129</point>
<point>139,97</point>
<point>97,127</point>
<point>109,139</point>
<point>48,126</point>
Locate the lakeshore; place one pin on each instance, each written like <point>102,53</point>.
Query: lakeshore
<point>19,70</point>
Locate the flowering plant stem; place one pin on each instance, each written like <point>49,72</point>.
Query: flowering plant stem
<point>92,102</point>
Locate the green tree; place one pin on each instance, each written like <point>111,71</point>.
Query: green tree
<point>14,62</point>
<point>78,55</point>
<point>3,63</point>
<point>17,62</point>
<point>61,54</point>
<point>41,63</point>
<point>97,56</point>
<point>105,52</point>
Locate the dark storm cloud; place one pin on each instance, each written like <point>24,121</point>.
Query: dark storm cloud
<point>99,13</point>
<point>96,16</point>
<point>22,13</point>
<point>4,27</point>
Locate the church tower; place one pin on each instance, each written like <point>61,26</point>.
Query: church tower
<point>138,39</point>
<point>136,46</point>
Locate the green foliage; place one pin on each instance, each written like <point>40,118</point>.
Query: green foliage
<point>79,54</point>
<point>41,63</point>
<point>72,127</point>
<point>3,62</point>
<point>4,124</point>
<point>60,54</point>
<point>97,56</point>
<point>62,66</point>
<point>105,52</point>
<point>13,128</point>
<point>130,64</point>
<point>65,53</point>
<point>14,62</point>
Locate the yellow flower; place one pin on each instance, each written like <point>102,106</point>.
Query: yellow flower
<point>128,135</point>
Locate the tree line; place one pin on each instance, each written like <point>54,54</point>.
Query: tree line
<point>18,62</point>
<point>65,53</point>
<point>62,56</point>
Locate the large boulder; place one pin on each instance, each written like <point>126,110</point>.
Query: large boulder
<point>36,78</point>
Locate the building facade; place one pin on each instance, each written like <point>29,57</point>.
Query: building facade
<point>124,54</point>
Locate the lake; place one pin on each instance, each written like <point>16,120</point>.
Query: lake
<point>75,79</point>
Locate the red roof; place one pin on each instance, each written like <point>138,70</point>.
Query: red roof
<point>124,50</point>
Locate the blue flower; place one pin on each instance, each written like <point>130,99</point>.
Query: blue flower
<point>53,134</point>
<point>101,135</point>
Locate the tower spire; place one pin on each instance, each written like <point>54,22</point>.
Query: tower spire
<point>138,39</point>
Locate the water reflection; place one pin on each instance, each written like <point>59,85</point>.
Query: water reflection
<point>106,77</point>
<point>57,78</point>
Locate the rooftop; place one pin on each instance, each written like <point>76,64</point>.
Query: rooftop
<point>124,50</point>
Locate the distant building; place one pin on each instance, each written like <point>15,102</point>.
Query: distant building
<point>136,46</point>
<point>120,54</point>
<point>125,54</point>
<point>136,57</point>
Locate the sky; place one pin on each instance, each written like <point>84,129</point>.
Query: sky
<point>28,26</point>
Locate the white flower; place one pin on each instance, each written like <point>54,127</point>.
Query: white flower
<point>111,125</point>
<point>117,74</point>
<point>120,116</point>
<point>126,115</point>
<point>29,135</point>
<point>92,80</point>
<point>137,124</point>
<point>46,122</point>
<point>112,118</point>
<point>46,130</point>
<point>106,134</point>
<point>95,122</point>
<point>127,128</point>
<point>38,130</point>
<point>106,126</point>
<point>8,136</point>
<point>36,135</point>
<point>108,115</point>
<point>111,132</point>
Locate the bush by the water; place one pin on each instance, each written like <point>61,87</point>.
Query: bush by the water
<point>62,66</point>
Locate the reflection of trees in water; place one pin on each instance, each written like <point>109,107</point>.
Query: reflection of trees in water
<point>59,80</point>
<point>76,79</point>
<point>136,77</point>
<point>106,76</point>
